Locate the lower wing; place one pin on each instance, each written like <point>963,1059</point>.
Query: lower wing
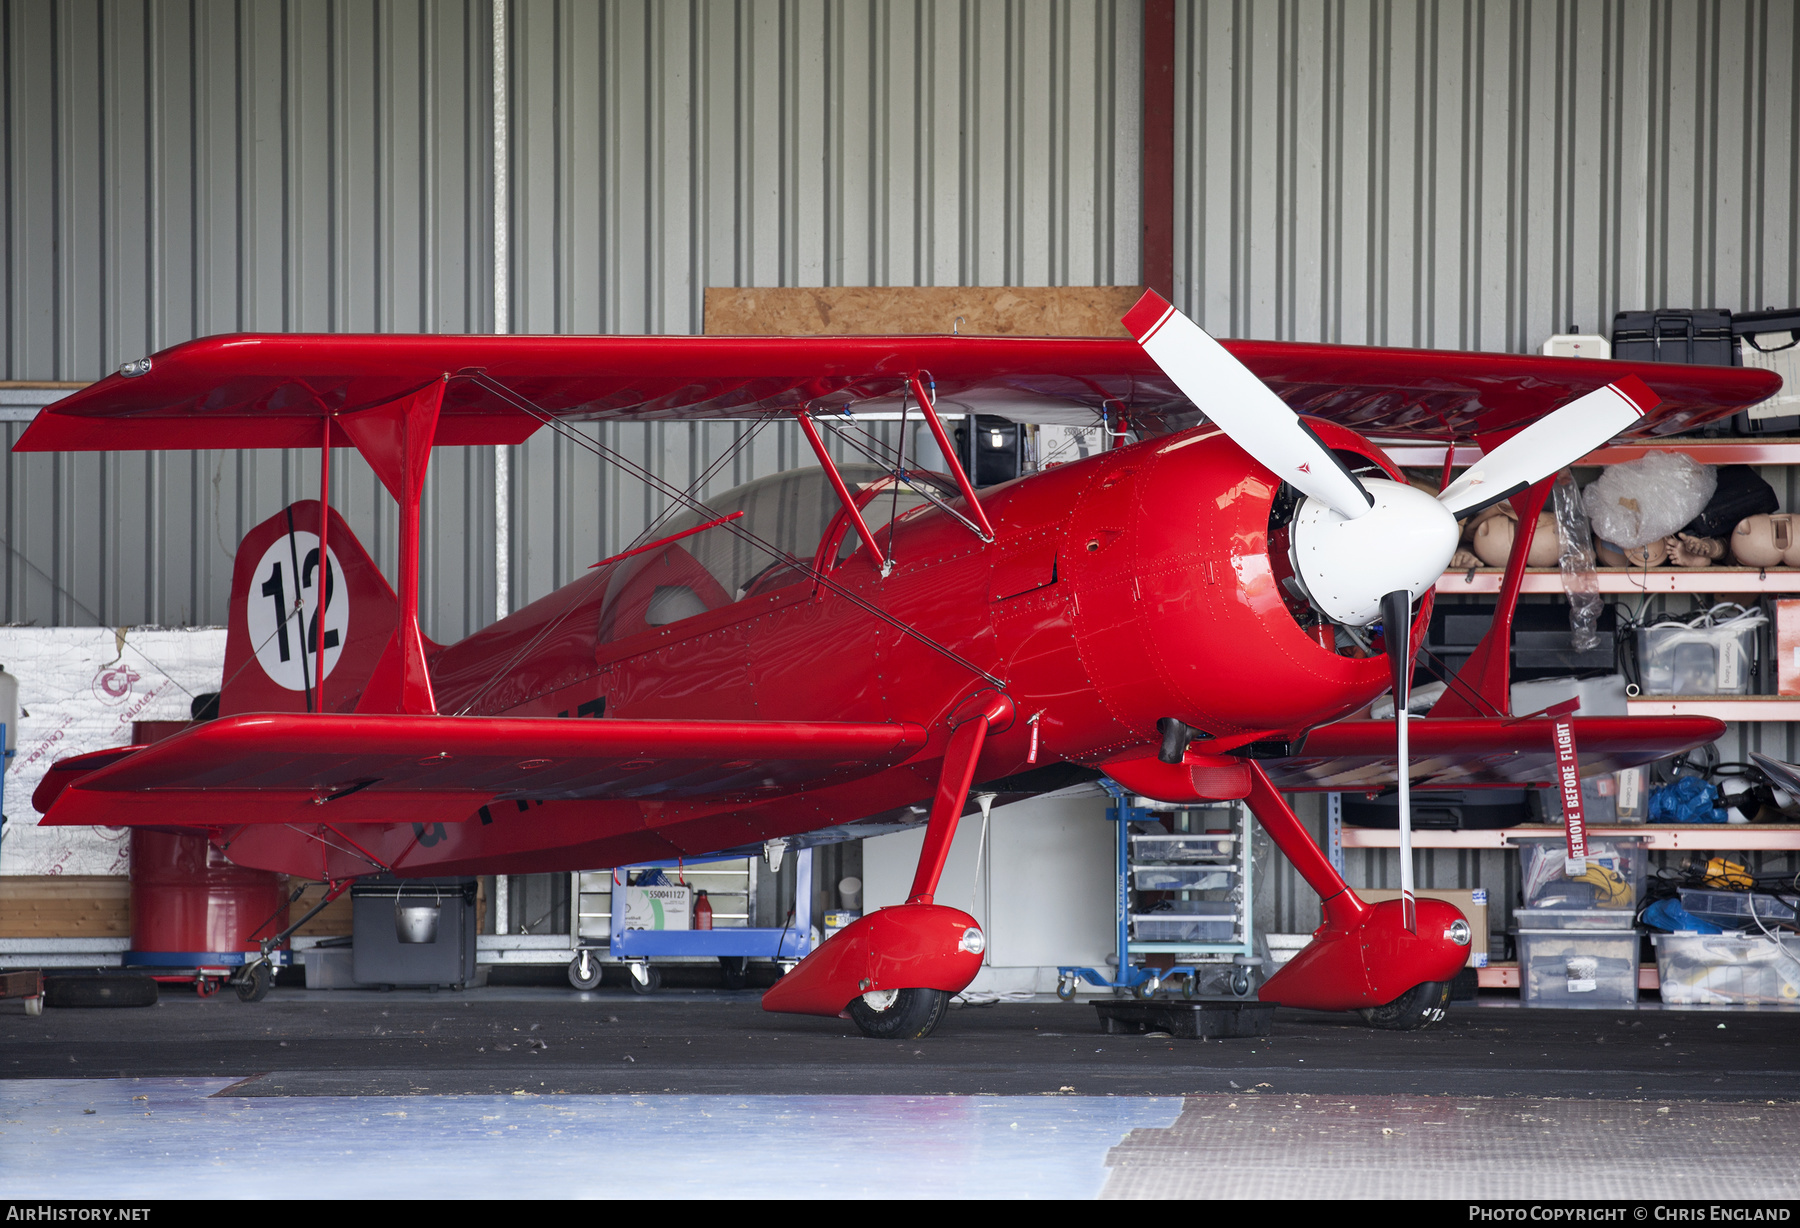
<point>293,768</point>
<point>1355,755</point>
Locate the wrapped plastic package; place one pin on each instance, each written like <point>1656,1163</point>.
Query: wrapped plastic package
<point>1576,560</point>
<point>1636,503</point>
<point>1689,799</point>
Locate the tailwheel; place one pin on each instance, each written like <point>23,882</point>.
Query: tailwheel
<point>253,986</point>
<point>1422,1006</point>
<point>899,1014</point>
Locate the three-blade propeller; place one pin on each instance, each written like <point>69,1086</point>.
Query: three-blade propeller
<point>1365,549</point>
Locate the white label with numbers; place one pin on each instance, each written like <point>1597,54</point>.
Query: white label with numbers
<point>286,638</point>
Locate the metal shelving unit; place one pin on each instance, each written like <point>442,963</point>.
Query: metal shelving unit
<point>1184,893</point>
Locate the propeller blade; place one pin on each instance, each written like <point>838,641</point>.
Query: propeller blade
<point>1243,406</point>
<point>1550,443</point>
<point>1396,630</point>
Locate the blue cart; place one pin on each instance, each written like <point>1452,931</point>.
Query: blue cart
<point>732,946</point>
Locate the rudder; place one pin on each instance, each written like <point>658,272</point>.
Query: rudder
<point>271,648</point>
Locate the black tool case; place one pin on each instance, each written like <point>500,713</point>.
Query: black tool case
<point>1442,809</point>
<point>1761,337</point>
<point>1698,335</point>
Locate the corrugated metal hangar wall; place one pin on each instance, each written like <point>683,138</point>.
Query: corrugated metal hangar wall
<point>1445,174</point>
<point>1440,174</point>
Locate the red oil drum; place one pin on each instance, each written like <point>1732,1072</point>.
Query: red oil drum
<point>189,905</point>
<point>187,899</point>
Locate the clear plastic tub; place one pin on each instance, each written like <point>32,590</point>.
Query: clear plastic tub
<point>1183,878</point>
<point>1732,909</point>
<point>1586,969</point>
<point>1569,918</point>
<point>1218,846</point>
<point>1680,660</point>
<point>1613,880</point>
<point>1727,970</point>
<point>1188,921</point>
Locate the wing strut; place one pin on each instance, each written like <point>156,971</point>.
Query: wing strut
<point>923,395</point>
<point>843,491</point>
<point>1488,670</point>
<point>395,439</point>
<point>324,600</point>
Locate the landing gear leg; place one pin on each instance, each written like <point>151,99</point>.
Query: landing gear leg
<point>866,968</point>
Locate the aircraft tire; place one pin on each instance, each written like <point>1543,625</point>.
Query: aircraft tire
<point>255,987</point>
<point>1422,1006</point>
<point>63,991</point>
<point>912,1015</point>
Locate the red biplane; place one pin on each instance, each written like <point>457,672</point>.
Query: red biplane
<point>1193,614</point>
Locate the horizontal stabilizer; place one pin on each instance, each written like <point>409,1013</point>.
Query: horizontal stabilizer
<point>288,768</point>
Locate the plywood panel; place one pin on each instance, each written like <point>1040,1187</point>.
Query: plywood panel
<point>65,906</point>
<point>334,922</point>
<point>1022,311</point>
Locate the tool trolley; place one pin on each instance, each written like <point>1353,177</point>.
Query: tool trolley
<point>1182,889</point>
<point>733,943</point>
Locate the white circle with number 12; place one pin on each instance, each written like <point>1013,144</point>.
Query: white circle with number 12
<point>287,643</point>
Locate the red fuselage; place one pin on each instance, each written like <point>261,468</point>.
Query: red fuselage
<point>1125,588</point>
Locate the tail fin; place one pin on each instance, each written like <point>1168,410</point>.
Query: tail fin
<point>272,647</point>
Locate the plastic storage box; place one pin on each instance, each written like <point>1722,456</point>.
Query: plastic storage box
<point>1732,909</point>
<point>1614,880</point>
<point>1188,921</point>
<point>1590,969</point>
<point>1189,877</point>
<point>1678,660</point>
<point>1724,969</point>
<point>1218,846</point>
<point>1569,918</point>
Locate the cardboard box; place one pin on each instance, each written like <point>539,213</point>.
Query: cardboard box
<point>659,908</point>
<point>1474,906</point>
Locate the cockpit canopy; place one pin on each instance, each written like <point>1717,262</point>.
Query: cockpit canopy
<point>789,511</point>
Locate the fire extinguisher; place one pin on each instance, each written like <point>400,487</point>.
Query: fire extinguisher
<point>702,912</point>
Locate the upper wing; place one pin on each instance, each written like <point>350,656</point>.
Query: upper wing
<point>1351,756</point>
<point>292,768</point>
<point>270,391</point>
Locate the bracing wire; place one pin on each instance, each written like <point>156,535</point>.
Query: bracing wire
<point>633,469</point>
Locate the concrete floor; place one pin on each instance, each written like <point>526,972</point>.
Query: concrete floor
<point>536,1091</point>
